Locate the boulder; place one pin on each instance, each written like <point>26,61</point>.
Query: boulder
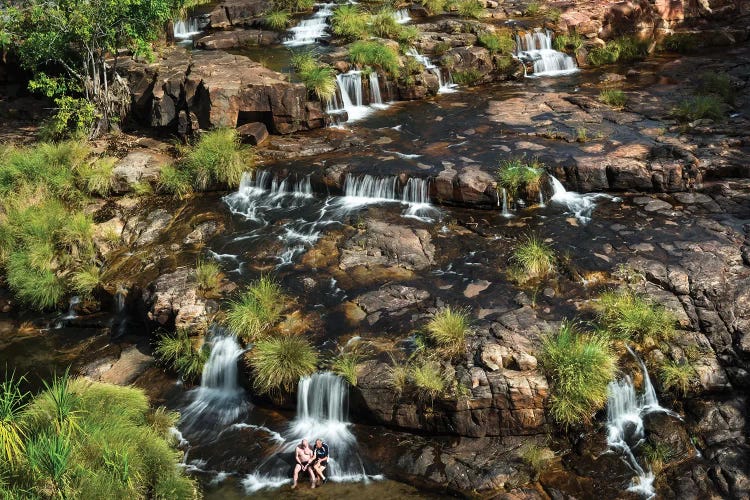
<point>254,133</point>
<point>384,244</point>
<point>137,167</point>
<point>173,299</point>
<point>390,300</point>
<point>237,38</point>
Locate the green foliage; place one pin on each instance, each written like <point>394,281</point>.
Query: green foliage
<point>497,42</point>
<point>701,107</point>
<point>218,157</point>
<point>554,14</point>
<point>73,118</point>
<point>345,365</point>
<point>375,54</point>
<point>96,177</point>
<point>256,310</point>
<point>279,362</point>
<point>533,9</point>
<point>613,97</point>
<point>407,34</point>
<point>178,351</point>
<point>623,49</point>
<point>567,42</point>
<point>468,77</point>
<point>277,20</point>
<point>677,376</point>
<point>303,61</point>
<point>537,457</point>
<point>208,275</point>
<point>516,176</point>
<point>534,258</point>
<point>441,48</point>
<point>294,5</point>
<point>13,401</point>
<point>320,81</point>
<point>175,181</point>
<point>398,377</point>
<point>428,379</point>
<point>38,288</point>
<point>350,22</point>
<point>48,455</point>
<point>682,43</point>
<point>717,84</point>
<point>580,367</point>
<point>383,24</point>
<point>86,280</point>
<point>448,329</point>
<point>435,6</point>
<point>582,134</point>
<point>657,455</point>
<point>627,316</point>
<point>470,8</point>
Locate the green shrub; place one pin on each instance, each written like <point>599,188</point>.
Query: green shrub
<point>468,77</point>
<point>398,375</point>
<point>682,43</point>
<point>700,107</point>
<point>533,9</point>
<point>407,35</point>
<point>38,288</point>
<point>218,157</point>
<point>434,6</point>
<point>516,176</point>
<point>677,376</point>
<point>623,49</point>
<point>567,42</point>
<point>96,177</point>
<point>279,362</point>
<point>13,402</point>
<point>497,42</point>
<point>256,310</point>
<point>350,22</point>
<point>628,316</point>
<point>470,8</point>
<point>178,351</point>
<point>303,61</point>
<point>277,20</point>
<point>175,181</point>
<point>375,54</point>
<point>208,275</point>
<point>346,365</point>
<point>613,97</point>
<point>73,118</point>
<point>86,280</point>
<point>580,367</point>
<point>428,379</point>
<point>448,329</point>
<point>537,457</point>
<point>383,24</point>
<point>320,81</point>
<point>717,84</point>
<point>534,258</point>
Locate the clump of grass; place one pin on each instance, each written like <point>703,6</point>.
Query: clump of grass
<point>582,134</point>
<point>407,34</point>
<point>537,457</point>
<point>613,97</point>
<point>208,275</point>
<point>682,43</point>
<point>383,24</point>
<point>468,77</point>
<point>428,379</point>
<point>13,402</point>
<point>497,42</point>
<point>567,42</point>
<point>515,176</point>
<point>218,157</point>
<point>398,377</point>
<point>717,84</point>
<point>700,107</point>
<point>623,49</point>
<point>320,81</point>
<point>256,310</point>
<point>434,6</point>
<point>37,287</point>
<point>178,351</point>
<point>676,376</point>
<point>376,55</point>
<point>533,259</point>
<point>346,365</point>
<point>350,22</point>
<point>657,455</point>
<point>279,362</point>
<point>627,316</point>
<point>580,367</point>
<point>86,280</point>
<point>533,9</point>
<point>554,14</point>
<point>277,20</point>
<point>96,177</point>
<point>448,329</point>
<point>303,61</point>
<point>175,181</point>
<point>441,48</point>
<point>470,8</point>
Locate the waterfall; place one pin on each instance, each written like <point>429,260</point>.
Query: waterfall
<point>541,199</point>
<point>219,400</point>
<point>580,205</point>
<point>625,430</point>
<point>186,28</point>
<point>416,195</point>
<point>375,98</point>
<point>71,313</point>
<point>370,187</point>
<point>506,210</point>
<point>310,30</point>
<point>402,16</point>
<point>263,190</point>
<point>445,86</point>
<point>536,48</point>
<point>322,408</point>
<point>350,91</point>
<point>120,319</point>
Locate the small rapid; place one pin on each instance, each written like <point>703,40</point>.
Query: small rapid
<point>446,85</point>
<point>184,29</point>
<point>536,48</point>
<point>312,29</point>
<point>581,206</point>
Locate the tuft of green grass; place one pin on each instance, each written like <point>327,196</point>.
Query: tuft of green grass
<point>613,97</point>
<point>346,365</point>
<point>468,77</point>
<point>497,42</point>
<point>277,20</point>
<point>39,288</point>
<point>218,157</point>
<point>435,6</point>
<point>567,42</point>
<point>96,177</point>
<point>383,24</point>
<point>208,275</point>
<point>623,49</point>
<point>448,329</point>
<point>515,176</point>
<point>470,8</point>
<point>718,84</point>
<point>177,351</point>
<point>533,9</point>
<point>700,107</point>
<point>303,61</point>
<point>676,376</point>
<point>657,455</point>
<point>580,367</point>
<point>407,34</point>
<point>627,316</point>
<point>175,181</point>
<point>582,135</point>
<point>554,14</point>
<point>375,54</point>
<point>428,379</point>
<point>534,258</point>
<point>320,82</point>
<point>350,22</point>
<point>682,43</point>
<point>256,310</point>
<point>279,362</point>
<point>13,402</point>
<point>398,377</point>
<point>86,280</point>
<point>537,457</point>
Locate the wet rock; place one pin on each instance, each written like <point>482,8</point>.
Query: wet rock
<point>383,244</point>
<point>203,232</point>
<point>390,300</point>
<point>137,167</point>
<point>475,288</point>
<point>253,133</point>
<point>667,430</point>
<point>145,230</point>
<point>174,299</point>
<point>133,361</point>
<point>237,38</point>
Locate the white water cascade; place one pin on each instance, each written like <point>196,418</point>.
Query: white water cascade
<point>625,430</point>
<point>536,47</point>
<point>402,16</point>
<point>70,315</point>
<point>580,205</point>
<point>376,100</point>
<point>505,209</point>
<point>360,191</point>
<point>310,30</point>
<point>219,400</point>
<point>350,91</point>
<point>185,29</point>
<point>446,85</point>
<point>322,407</point>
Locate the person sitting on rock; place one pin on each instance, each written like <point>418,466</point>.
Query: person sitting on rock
<point>303,455</point>
<point>321,459</point>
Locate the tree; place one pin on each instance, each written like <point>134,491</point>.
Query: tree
<point>72,46</point>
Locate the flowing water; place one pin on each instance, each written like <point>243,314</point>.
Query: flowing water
<point>581,206</point>
<point>536,48</point>
<point>445,84</point>
<point>310,30</point>
<point>402,16</point>
<point>185,29</point>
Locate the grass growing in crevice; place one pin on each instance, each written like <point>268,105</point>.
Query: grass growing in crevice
<point>657,455</point>
<point>346,365</point>
<point>580,367</point>
<point>519,177</point>
<point>350,22</point>
<point>175,181</point>
<point>470,8</point>
<point>468,77</point>
<point>623,49</point>
<point>398,375</point>
<point>279,362</point>
<point>277,20</point>
<point>613,97</point>
<point>376,55</point>
<point>682,43</point>
<point>319,79</point>
<point>208,275</point>
<point>497,43</point>
<point>625,315</point>
<point>218,158</point>
<point>428,379</point>
<point>448,329</point>
<point>255,312</point>
<point>434,6</point>
<point>567,42</point>
<point>700,107</point>
<point>677,376</point>
<point>178,350</point>
<point>717,84</point>
<point>537,457</point>
<point>533,259</point>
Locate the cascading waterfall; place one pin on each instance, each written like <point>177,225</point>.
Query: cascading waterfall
<point>349,97</point>
<point>376,99</point>
<point>402,16</point>
<point>186,28</point>
<point>536,47</point>
<point>445,85</point>
<point>219,400</point>
<point>322,407</point>
<point>580,205</point>
<point>310,30</point>
<point>625,430</point>
<point>506,210</point>
<point>416,195</point>
<point>70,315</point>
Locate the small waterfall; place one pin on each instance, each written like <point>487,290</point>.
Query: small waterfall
<point>536,48</point>
<point>351,96</point>
<point>262,190</point>
<point>185,29</point>
<point>445,85</point>
<point>120,319</point>
<point>402,16</point>
<point>580,205</point>
<point>541,199</point>
<point>70,315</point>
<point>370,188</point>
<point>310,30</point>
<point>625,430</point>
<point>322,408</point>
<point>416,195</point>
<point>219,400</point>
<point>506,210</point>
<point>375,97</point>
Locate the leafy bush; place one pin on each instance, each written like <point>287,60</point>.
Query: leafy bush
<point>613,97</point>
<point>448,330</point>
<point>175,181</point>
<point>677,376</point>
<point>350,22</point>
<point>470,8</point>
<point>178,351</point>
<point>208,275</point>
<point>277,20</point>
<point>428,379</point>
<point>73,118</point>
<point>567,42</point>
<point>515,176</point>
<point>467,77</point>
<point>700,107</point>
<point>279,362</point>
<point>623,49</point>
<point>257,310</point>
<point>497,42</point>
<point>375,54</point>
<point>218,157</point>
<point>580,367</point>
<point>534,258</point>
<point>628,316</point>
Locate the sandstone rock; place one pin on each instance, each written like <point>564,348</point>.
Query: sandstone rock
<point>137,167</point>
<point>391,300</point>
<point>144,230</point>
<point>203,232</point>
<point>237,38</point>
<point>383,244</point>
<point>174,299</point>
<point>495,356</point>
<point>253,133</point>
